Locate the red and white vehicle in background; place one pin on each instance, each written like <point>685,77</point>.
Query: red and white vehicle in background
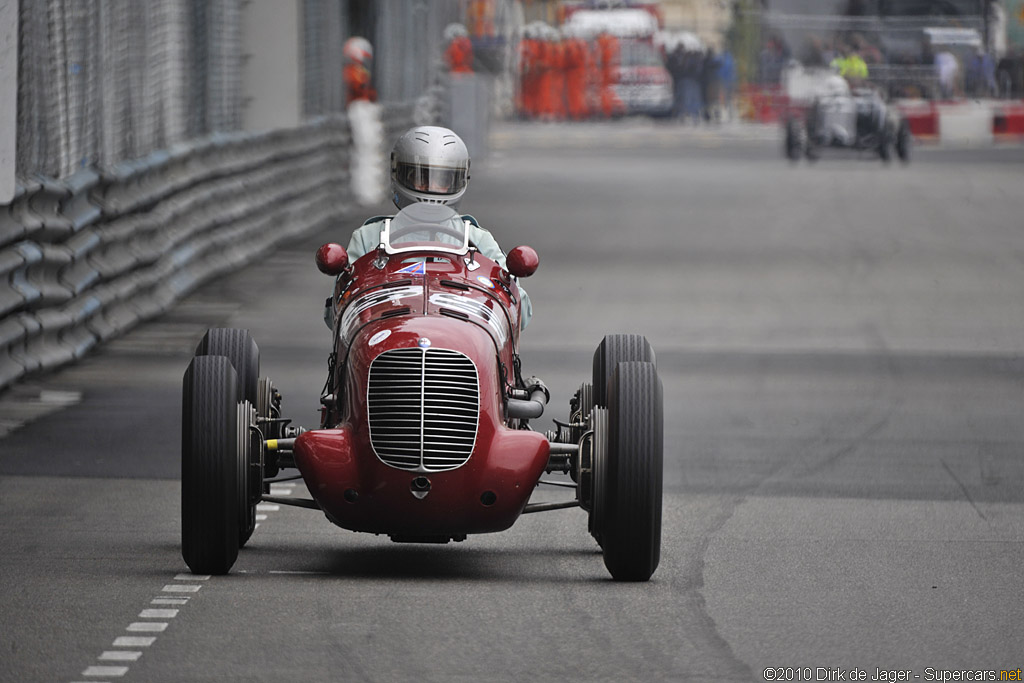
<point>644,85</point>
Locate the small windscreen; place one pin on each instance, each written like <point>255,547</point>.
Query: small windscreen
<point>426,227</point>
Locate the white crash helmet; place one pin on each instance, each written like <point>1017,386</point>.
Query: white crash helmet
<point>358,49</point>
<point>453,31</point>
<point>429,164</point>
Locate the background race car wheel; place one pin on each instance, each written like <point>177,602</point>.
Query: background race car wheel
<point>794,144</point>
<point>812,149</point>
<point>240,348</point>
<point>903,141</point>
<point>209,466</point>
<point>614,349</point>
<point>630,525</point>
<point>886,139</point>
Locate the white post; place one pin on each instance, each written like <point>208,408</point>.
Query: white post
<point>8,98</point>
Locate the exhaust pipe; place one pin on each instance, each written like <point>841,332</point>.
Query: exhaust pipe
<point>531,407</point>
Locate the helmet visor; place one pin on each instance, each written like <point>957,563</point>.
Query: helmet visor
<point>421,177</point>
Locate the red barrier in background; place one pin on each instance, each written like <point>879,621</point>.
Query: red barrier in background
<point>922,117</point>
<point>763,104</point>
<point>1008,120</point>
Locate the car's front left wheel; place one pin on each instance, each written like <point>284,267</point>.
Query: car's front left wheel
<point>238,346</point>
<point>211,495</point>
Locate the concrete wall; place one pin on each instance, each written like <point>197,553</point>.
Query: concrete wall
<point>272,68</point>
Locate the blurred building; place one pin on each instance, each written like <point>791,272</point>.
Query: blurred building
<point>708,19</point>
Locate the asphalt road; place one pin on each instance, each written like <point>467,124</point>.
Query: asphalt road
<point>841,348</point>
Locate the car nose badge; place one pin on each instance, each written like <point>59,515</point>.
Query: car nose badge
<point>423,343</point>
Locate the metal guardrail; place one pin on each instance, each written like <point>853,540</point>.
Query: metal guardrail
<point>86,258</point>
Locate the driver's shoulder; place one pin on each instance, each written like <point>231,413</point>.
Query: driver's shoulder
<point>376,219</point>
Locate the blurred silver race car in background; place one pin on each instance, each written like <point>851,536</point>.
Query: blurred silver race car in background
<point>836,116</point>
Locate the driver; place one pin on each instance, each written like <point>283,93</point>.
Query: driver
<point>430,164</point>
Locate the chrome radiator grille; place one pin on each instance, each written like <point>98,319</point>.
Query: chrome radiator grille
<point>424,406</point>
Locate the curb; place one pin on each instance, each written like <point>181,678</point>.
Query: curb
<point>970,123</point>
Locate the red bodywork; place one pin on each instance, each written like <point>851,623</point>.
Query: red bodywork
<point>411,304</point>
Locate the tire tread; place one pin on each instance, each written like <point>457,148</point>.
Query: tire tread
<point>632,529</point>
<point>209,506</point>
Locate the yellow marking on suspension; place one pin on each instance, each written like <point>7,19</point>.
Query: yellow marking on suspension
<point>272,444</point>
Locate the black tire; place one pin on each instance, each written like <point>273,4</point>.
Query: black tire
<point>630,528</point>
<point>904,141</point>
<point>812,148</point>
<point>886,139</point>
<point>615,349</point>
<point>240,348</point>
<point>210,488</point>
<point>793,142</point>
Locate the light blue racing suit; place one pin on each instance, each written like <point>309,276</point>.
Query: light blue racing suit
<point>366,238</point>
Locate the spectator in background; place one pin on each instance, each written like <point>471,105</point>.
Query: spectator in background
<point>946,70</point>
<point>773,57</point>
<point>693,70</point>
<point>727,83</point>
<point>577,64</point>
<point>608,51</point>
<point>856,68</point>
<point>709,85</point>
<point>356,73</point>
<point>365,161</point>
<point>557,66</point>
<point>481,18</point>
<point>529,72</point>
<point>829,52</point>
<point>988,75</point>
<point>813,54</point>
<point>850,66</point>
<point>867,51</point>
<point>980,77</point>
<point>458,56</point>
<point>675,62</point>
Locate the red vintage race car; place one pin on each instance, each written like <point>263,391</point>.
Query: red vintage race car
<point>425,433</point>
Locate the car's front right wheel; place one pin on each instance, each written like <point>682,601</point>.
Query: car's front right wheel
<point>615,349</point>
<point>630,519</point>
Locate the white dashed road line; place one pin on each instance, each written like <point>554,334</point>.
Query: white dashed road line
<point>131,643</point>
<point>120,655</point>
<point>177,594</point>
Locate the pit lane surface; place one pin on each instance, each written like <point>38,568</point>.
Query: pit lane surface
<point>841,351</point>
